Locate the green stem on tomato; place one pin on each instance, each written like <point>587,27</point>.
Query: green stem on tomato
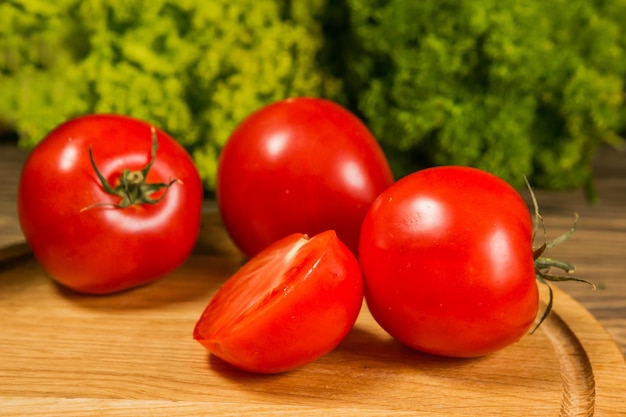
<point>133,188</point>
<point>543,264</point>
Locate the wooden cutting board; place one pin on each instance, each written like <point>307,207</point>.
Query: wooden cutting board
<point>132,354</point>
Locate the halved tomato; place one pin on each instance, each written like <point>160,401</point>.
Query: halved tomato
<point>286,307</point>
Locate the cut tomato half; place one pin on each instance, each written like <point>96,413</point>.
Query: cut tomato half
<point>286,307</point>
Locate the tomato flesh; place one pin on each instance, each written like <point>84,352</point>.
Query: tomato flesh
<point>286,307</point>
<point>447,262</point>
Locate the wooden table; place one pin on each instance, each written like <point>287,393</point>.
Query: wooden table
<point>132,353</point>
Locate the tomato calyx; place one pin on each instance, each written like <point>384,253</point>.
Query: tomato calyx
<point>133,188</point>
<point>543,264</point>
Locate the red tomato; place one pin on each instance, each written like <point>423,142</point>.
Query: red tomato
<point>286,307</point>
<point>71,223</point>
<point>448,262</point>
<point>301,165</point>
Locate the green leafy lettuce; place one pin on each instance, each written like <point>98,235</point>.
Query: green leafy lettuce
<point>193,68</point>
<point>515,88</point>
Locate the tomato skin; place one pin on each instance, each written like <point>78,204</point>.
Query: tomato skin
<point>447,261</point>
<point>284,309</point>
<point>104,249</point>
<point>300,165</point>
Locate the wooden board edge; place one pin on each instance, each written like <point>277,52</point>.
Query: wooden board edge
<point>14,252</point>
<point>583,343</point>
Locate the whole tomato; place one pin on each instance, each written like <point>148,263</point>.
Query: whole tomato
<point>286,307</point>
<point>107,203</point>
<point>300,165</point>
<point>448,262</point>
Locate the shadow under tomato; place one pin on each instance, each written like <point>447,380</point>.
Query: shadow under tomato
<point>362,363</point>
<point>19,274</point>
<point>377,349</point>
<point>363,355</point>
<point>198,279</point>
<point>228,371</point>
<point>279,387</point>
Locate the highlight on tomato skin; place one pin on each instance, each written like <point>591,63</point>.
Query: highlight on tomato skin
<point>286,307</point>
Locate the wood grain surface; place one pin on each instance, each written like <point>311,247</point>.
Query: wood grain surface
<point>133,354</point>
